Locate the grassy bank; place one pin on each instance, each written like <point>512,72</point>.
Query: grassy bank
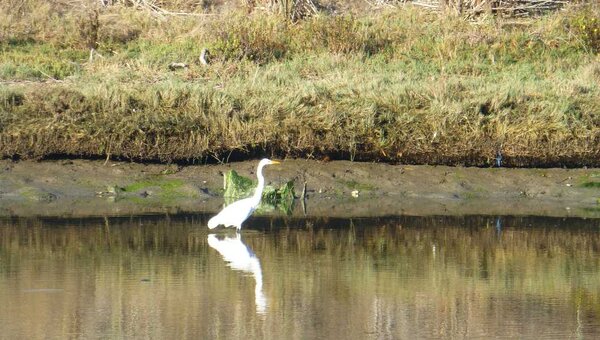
<point>401,85</point>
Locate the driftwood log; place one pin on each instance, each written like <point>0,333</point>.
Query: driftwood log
<point>474,7</point>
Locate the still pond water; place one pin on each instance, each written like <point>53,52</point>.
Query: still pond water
<point>166,277</point>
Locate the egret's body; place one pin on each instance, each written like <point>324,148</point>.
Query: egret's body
<point>237,212</point>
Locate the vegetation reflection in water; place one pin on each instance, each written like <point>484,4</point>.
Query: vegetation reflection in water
<point>400,277</point>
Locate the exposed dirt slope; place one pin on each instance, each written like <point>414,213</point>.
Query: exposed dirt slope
<point>82,187</point>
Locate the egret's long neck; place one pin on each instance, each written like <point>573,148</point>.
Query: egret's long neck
<point>261,185</point>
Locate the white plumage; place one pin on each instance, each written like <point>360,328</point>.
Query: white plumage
<point>237,212</point>
<point>240,257</point>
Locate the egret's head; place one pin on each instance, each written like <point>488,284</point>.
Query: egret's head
<point>266,161</point>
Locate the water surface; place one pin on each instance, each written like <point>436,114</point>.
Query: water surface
<point>397,277</point>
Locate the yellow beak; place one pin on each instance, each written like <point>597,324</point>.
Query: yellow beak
<point>275,162</point>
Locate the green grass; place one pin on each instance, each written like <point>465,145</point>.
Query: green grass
<point>398,85</point>
<point>41,61</point>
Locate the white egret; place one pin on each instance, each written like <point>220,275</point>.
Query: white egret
<point>237,212</point>
<point>240,257</point>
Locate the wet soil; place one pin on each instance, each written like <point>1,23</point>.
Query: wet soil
<point>333,189</point>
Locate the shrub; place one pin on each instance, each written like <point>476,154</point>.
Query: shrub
<point>585,23</point>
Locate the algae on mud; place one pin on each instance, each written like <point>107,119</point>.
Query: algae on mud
<point>167,187</point>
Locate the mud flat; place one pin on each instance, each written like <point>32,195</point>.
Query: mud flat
<point>333,189</point>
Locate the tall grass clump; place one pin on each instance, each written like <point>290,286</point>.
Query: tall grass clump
<point>342,34</point>
<point>585,25</point>
<point>260,38</point>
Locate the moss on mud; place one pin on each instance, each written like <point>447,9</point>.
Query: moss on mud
<point>159,187</point>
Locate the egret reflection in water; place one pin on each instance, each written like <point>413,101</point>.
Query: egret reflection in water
<point>240,257</point>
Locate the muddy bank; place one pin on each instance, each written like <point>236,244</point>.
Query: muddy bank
<point>334,189</point>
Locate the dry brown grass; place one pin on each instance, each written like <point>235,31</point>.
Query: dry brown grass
<point>402,86</point>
